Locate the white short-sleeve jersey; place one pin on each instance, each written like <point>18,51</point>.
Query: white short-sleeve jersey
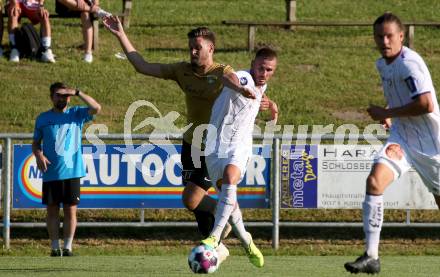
<point>403,80</point>
<point>232,120</point>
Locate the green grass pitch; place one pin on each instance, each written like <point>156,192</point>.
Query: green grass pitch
<point>310,266</point>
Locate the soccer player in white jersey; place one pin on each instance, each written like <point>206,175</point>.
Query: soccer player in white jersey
<point>229,144</point>
<point>414,134</point>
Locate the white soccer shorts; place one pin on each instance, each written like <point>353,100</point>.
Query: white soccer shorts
<point>216,166</point>
<point>428,167</point>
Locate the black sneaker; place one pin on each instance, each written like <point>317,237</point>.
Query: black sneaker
<point>55,253</point>
<point>67,253</point>
<point>364,264</point>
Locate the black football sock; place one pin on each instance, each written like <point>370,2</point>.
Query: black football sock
<point>205,222</point>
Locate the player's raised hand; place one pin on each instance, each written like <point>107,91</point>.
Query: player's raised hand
<point>42,162</point>
<point>113,24</point>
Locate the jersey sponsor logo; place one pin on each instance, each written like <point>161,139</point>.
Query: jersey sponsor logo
<point>243,81</point>
<point>211,79</point>
<point>411,84</point>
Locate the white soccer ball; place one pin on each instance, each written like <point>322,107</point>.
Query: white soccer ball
<point>203,259</point>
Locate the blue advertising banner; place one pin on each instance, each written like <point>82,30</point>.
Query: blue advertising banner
<point>299,176</point>
<point>135,176</point>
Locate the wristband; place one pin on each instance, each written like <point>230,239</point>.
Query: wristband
<point>77,91</point>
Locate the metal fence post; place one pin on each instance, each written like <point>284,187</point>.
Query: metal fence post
<point>7,193</point>
<point>251,37</point>
<point>142,216</point>
<point>291,13</point>
<point>276,194</point>
<point>409,36</point>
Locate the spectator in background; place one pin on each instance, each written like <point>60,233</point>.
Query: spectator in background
<point>34,10</point>
<point>87,30</point>
<point>60,160</point>
<point>88,9</point>
<point>90,6</point>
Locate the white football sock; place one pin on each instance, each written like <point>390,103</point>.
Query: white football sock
<point>373,219</point>
<point>46,42</point>
<point>226,203</point>
<point>68,243</point>
<point>55,244</point>
<point>236,221</point>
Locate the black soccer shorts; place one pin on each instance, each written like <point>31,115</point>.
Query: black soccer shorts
<point>61,191</point>
<point>198,176</point>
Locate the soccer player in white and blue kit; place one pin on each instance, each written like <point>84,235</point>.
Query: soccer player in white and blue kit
<point>60,160</point>
<point>414,140</point>
<point>229,144</point>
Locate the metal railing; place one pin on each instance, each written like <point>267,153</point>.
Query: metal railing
<point>275,140</point>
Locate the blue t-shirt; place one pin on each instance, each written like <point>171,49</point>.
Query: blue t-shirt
<point>61,135</point>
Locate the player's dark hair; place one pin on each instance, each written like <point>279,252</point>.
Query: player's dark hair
<point>266,53</point>
<point>203,32</point>
<point>56,86</point>
<point>389,17</point>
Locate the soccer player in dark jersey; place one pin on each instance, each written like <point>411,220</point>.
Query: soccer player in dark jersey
<point>201,80</point>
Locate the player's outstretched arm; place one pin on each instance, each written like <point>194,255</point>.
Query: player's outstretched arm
<point>231,81</point>
<point>113,24</point>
